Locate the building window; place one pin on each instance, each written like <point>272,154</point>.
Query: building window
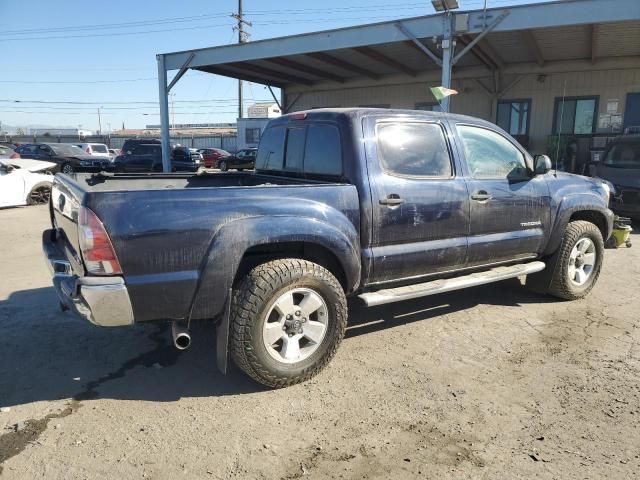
<point>513,116</point>
<point>429,106</point>
<point>252,135</point>
<point>578,116</point>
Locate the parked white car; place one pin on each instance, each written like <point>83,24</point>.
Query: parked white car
<point>95,149</point>
<point>23,182</point>
<point>113,153</point>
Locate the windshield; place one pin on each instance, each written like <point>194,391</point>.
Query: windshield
<point>62,149</point>
<point>623,155</point>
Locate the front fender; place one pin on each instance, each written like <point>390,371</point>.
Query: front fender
<point>570,205</point>
<point>233,239</point>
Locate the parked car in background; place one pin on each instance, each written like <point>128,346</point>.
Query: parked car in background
<point>69,158</point>
<point>7,152</point>
<point>212,156</point>
<point>242,160</point>
<point>24,182</point>
<point>148,158</point>
<point>12,146</point>
<point>130,143</point>
<point>95,149</point>
<point>196,155</point>
<point>113,153</point>
<point>620,165</point>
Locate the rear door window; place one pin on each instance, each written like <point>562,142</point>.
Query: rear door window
<point>414,149</point>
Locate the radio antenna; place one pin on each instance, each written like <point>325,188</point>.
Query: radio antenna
<point>564,93</point>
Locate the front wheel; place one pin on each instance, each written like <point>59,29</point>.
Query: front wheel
<point>223,166</point>
<point>579,261</point>
<point>288,318</point>
<point>68,169</point>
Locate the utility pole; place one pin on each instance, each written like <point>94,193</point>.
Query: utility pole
<point>242,38</point>
<point>99,123</point>
<point>173,112</point>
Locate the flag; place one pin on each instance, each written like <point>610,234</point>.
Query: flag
<point>441,92</point>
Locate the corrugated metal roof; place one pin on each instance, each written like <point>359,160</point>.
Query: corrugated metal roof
<point>359,52</point>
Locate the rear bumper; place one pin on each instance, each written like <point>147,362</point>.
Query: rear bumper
<point>103,301</point>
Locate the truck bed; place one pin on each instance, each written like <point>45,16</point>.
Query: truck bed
<point>176,234</point>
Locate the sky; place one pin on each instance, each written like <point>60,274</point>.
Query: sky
<point>63,60</point>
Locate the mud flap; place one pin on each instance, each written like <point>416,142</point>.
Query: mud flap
<point>222,337</point>
<point>541,282</point>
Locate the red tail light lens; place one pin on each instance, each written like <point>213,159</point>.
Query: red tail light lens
<point>97,251</point>
<point>88,150</point>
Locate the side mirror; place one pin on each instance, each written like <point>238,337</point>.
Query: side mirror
<point>541,164</point>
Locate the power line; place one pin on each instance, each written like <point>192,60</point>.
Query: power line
<point>38,82</point>
<point>109,26</point>
<point>170,20</point>
<point>130,102</point>
<point>114,34</point>
<point>115,113</point>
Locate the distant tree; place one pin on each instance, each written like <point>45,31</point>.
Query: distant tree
<point>46,134</point>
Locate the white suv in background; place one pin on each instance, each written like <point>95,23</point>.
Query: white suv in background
<point>95,149</point>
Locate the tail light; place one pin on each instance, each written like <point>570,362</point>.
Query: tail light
<point>14,155</point>
<point>88,150</point>
<point>98,253</point>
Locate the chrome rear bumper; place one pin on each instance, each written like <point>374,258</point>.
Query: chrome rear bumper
<point>103,301</point>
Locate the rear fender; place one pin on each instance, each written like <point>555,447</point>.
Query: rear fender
<point>233,239</point>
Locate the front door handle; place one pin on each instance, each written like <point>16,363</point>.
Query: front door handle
<point>481,196</point>
<point>391,200</point>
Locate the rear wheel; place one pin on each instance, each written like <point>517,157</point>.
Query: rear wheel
<point>288,318</point>
<point>68,169</point>
<point>39,194</point>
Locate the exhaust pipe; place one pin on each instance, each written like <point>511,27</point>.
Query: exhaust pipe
<point>181,336</point>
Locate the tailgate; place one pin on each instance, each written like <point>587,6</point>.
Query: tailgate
<point>66,198</point>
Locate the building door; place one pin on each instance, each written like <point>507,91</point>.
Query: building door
<point>632,110</point>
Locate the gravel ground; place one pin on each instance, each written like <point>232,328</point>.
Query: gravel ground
<point>493,382</point>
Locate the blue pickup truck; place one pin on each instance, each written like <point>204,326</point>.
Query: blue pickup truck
<point>384,205</point>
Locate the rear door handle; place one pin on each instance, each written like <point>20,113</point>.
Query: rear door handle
<point>480,196</point>
<point>391,200</point>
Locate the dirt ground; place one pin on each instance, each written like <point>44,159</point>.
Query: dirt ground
<point>493,382</point>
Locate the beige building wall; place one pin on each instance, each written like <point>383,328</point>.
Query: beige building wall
<point>608,79</point>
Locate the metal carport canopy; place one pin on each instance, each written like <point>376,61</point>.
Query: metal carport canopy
<point>500,36</point>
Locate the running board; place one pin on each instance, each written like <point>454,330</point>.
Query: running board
<point>389,295</point>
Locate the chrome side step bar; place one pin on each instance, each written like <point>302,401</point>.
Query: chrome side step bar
<point>433,287</point>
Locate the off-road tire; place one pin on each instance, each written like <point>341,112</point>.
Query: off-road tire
<point>251,301</point>
<point>561,286</point>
